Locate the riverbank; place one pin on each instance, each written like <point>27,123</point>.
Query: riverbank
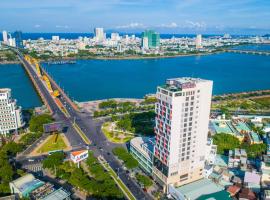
<point>257,96</point>
<point>9,62</point>
<point>130,57</point>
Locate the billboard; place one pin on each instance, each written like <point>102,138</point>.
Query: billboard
<point>53,127</point>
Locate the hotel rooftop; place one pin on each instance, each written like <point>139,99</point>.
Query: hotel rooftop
<point>178,84</point>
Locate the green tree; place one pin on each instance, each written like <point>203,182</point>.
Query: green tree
<point>36,123</point>
<point>129,161</point>
<point>144,180</point>
<point>225,142</point>
<point>54,160</point>
<point>254,150</point>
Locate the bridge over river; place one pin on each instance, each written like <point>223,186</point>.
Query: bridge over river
<point>82,129</point>
<point>263,53</point>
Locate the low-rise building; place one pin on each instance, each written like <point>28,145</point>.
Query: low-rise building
<point>233,190</point>
<point>265,179</point>
<point>142,150</point>
<point>211,152</point>
<point>253,138</point>
<point>24,185</point>
<point>266,195</point>
<point>247,194</point>
<point>29,187</point>
<point>225,126</point>
<point>252,181</point>
<point>201,189</point>
<point>237,158</point>
<point>78,156</point>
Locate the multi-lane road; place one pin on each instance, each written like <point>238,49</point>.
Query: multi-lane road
<point>90,127</point>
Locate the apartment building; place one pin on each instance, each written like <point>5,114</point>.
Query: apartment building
<point>181,129</point>
<point>10,114</point>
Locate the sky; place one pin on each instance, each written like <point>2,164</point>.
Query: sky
<point>164,16</point>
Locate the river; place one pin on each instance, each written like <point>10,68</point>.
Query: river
<point>99,79</point>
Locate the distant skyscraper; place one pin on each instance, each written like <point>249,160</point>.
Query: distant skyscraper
<point>18,39</point>
<point>198,41</point>
<point>182,118</point>
<point>115,37</point>
<point>5,37</point>
<point>153,39</point>
<point>12,42</point>
<point>10,114</point>
<point>99,35</point>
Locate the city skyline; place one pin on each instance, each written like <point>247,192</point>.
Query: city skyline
<point>186,16</point>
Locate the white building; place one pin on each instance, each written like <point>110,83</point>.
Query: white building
<point>55,38</point>
<point>99,35</point>
<point>78,156</point>
<point>210,152</point>
<point>10,114</point>
<point>5,37</point>
<point>115,37</point>
<point>145,43</point>
<point>198,41</point>
<point>182,117</point>
<point>12,42</point>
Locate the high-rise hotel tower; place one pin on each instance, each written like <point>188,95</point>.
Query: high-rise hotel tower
<point>182,117</point>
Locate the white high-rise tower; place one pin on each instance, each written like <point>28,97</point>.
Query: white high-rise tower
<point>5,37</point>
<point>99,35</point>
<point>182,117</point>
<point>10,114</point>
<point>198,41</point>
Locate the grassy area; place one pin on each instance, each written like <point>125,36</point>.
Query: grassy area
<point>7,55</point>
<point>264,102</point>
<point>115,136</point>
<point>54,142</point>
<point>252,104</point>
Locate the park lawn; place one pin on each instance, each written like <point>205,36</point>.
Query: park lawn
<point>113,136</point>
<point>264,101</point>
<point>51,145</point>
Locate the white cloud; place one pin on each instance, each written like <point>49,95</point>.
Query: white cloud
<point>37,26</point>
<point>62,26</point>
<point>171,25</point>
<point>195,25</point>
<point>131,25</point>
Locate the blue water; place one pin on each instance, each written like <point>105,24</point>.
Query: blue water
<point>259,47</point>
<point>13,76</point>
<point>100,79</point>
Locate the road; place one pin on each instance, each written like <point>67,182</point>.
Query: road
<point>91,128</point>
